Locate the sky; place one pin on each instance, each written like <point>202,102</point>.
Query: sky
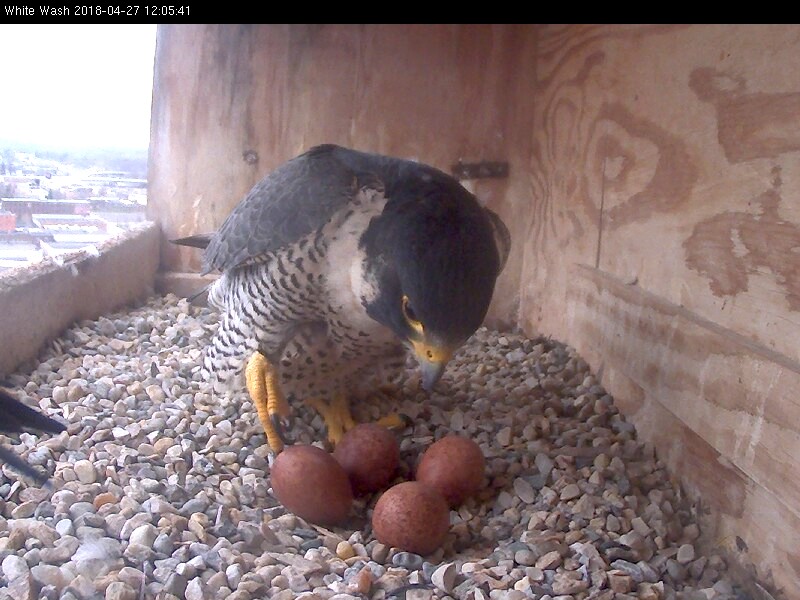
<point>77,85</point>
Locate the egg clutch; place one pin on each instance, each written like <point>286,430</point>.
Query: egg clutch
<point>411,515</point>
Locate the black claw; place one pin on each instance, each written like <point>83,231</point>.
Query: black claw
<point>277,425</point>
<point>407,421</point>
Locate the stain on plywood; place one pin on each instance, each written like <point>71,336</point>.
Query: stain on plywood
<point>645,168</point>
<point>659,139</point>
<point>729,247</point>
<point>750,125</point>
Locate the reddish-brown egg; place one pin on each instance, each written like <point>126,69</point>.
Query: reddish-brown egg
<point>310,483</point>
<point>411,516</point>
<point>370,455</point>
<point>454,465</point>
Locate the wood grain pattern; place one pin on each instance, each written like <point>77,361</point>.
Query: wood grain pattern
<point>721,409</point>
<point>680,144</point>
<point>233,101</point>
<point>725,243</point>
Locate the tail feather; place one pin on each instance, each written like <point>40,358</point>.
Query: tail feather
<point>197,298</point>
<point>17,416</point>
<point>201,240</point>
<point>10,458</point>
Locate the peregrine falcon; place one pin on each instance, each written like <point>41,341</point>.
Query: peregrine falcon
<point>14,418</point>
<point>333,267</point>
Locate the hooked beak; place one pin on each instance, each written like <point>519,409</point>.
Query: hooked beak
<point>432,361</point>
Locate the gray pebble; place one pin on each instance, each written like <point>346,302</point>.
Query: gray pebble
<point>544,463</point>
<point>80,508</point>
<point>629,568</point>
<point>24,510</point>
<point>163,544</point>
<point>195,590</point>
<point>117,590</point>
<point>194,505</point>
<point>234,574</point>
<point>310,544</point>
<point>48,575</point>
<point>525,557</point>
<point>408,560</point>
<point>144,535</point>
<point>137,553</point>
<point>524,490</point>
<point>175,585</point>
<point>444,577</point>
<point>48,592</point>
<point>14,566</point>
<point>570,492</point>
<point>685,554</point>
<point>379,553</point>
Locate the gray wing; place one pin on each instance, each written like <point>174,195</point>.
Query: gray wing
<point>294,200</point>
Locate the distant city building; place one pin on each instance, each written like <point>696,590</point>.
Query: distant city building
<point>70,223</point>
<point>8,220</point>
<point>23,207</point>
<point>29,180</point>
<point>48,209</point>
<point>13,255</point>
<point>114,179</point>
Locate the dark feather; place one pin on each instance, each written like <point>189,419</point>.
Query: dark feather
<point>10,458</point>
<point>502,237</point>
<point>16,417</point>
<point>200,240</point>
<point>200,297</point>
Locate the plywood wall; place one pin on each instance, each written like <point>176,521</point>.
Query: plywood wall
<point>234,101</point>
<point>666,175</point>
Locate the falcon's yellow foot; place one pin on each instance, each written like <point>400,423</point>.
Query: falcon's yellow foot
<point>394,421</point>
<point>262,383</point>
<point>336,415</point>
<point>339,420</point>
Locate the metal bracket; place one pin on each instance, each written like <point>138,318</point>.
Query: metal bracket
<point>480,170</point>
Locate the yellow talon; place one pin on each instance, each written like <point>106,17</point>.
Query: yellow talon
<point>341,407</point>
<point>262,383</point>
<point>336,421</point>
<point>339,420</point>
<point>394,421</point>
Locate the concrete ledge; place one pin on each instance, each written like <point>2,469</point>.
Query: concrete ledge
<point>38,302</point>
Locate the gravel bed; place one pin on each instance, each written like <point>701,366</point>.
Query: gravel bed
<point>160,490</point>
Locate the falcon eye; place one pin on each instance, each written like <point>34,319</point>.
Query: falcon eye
<point>410,315</point>
<point>409,312</point>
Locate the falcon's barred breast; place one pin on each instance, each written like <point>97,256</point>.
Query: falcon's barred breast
<point>337,264</point>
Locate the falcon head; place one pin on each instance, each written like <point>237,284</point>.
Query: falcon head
<point>433,256</point>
